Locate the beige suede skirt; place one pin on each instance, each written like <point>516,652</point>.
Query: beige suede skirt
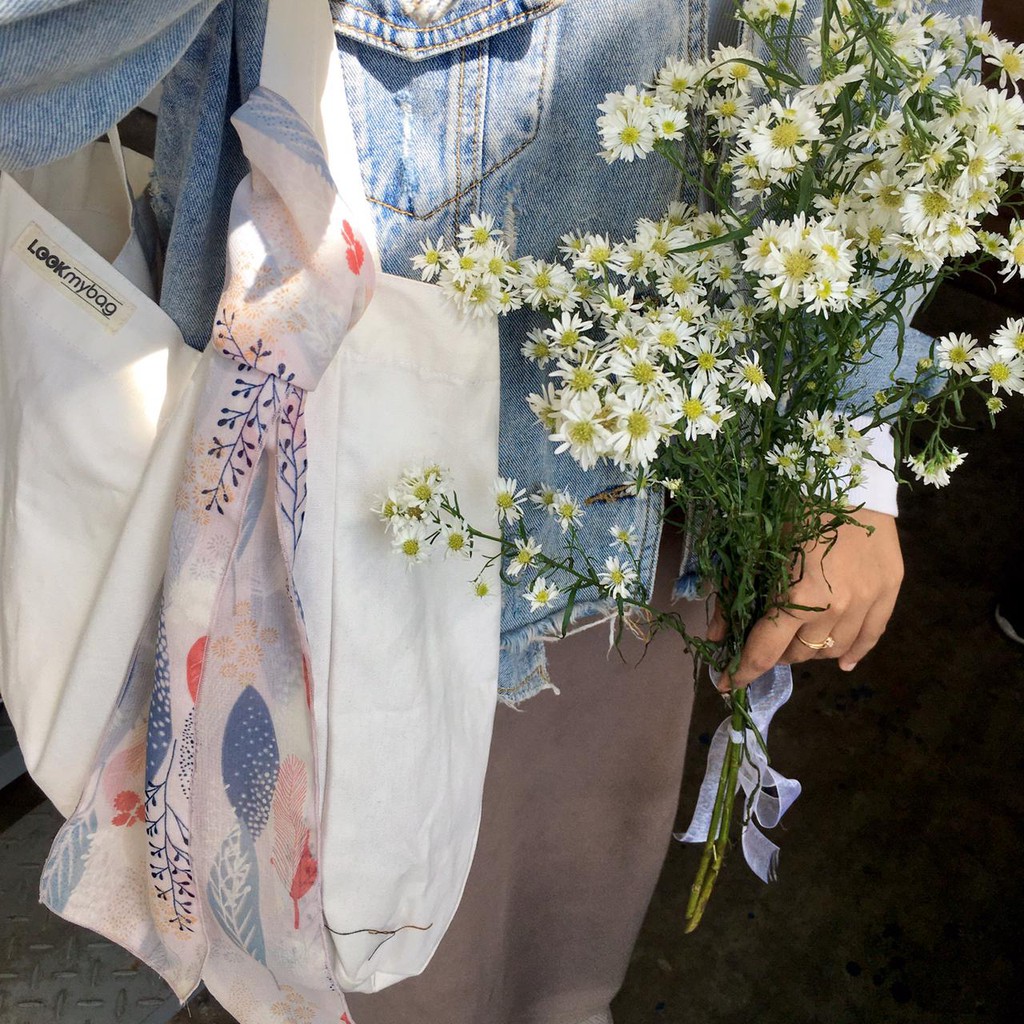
<point>578,809</point>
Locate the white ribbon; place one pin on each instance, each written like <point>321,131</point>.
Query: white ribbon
<point>768,795</point>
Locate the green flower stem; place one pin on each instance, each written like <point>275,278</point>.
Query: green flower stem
<point>718,834</point>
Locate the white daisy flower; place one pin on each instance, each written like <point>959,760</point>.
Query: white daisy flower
<point>624,537</point>
<point>667,336</point>
<point>456,540</point>
<point>479,231</point>
<point>537,347</point>
<point>936,470</point>
<point>787,459</point>
<point>728,110</point>
<point>541,594</point>
<point>677,83</point>
<point>410,540</point>
<point>927,210</point>
<point>543,283</point>
<point>392,508</point>
<point>526,551</point>
<point>1011,251</point>
<point>701,410</point>
<point>668,122</point>
<point>588,375</point>
<point>547,406</point>
<point>780,136</point>
<point>636,425</point>
<point>617,578</point>
<point>429,261</point>
<point>567,510</point>
<point>1004,373</point>
<point>731,65</point>
<point>545,498</point>
<point>568,331</point>
<point>1009,339</point>
<point>616,302</point>
<point>819,428</point>
<point>706,358</point>
<point>954,352</point>
<point>626,134</point>
<point>636,369</point>
<point>1009,59</point>
<point>508,497</point>
<point>581,431</point>
<point>425,488</point>
<point>748,376</point>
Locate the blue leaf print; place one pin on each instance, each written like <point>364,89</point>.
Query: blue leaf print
<point>249,760</point>
<point>253,504</point>
<point>66,864</point>
<point>233,893</point>
<point>158,735</point>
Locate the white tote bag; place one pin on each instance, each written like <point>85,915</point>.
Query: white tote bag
<point>86,357</point>
<point>410,656</point>
<point>404,663</point>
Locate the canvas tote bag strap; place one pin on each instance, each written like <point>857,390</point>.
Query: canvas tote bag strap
<point>301,64</point>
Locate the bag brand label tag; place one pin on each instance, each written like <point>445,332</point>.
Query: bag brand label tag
<point>63,271</point>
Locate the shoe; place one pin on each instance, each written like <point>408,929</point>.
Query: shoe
<point>1010,617</point>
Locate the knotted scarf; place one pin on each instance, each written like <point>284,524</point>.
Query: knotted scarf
<point>195,843</point>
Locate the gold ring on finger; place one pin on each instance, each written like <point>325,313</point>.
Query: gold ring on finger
<point>821,645</point>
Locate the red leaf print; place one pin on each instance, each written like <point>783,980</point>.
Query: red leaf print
<point>125,770</point>
<point>354,253</point>
<point>194,666</point>
<point>128,804</point>
<point>305,876</point>
<point>287,809</point>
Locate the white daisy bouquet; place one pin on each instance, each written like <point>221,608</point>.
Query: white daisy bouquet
<point>717,353</point>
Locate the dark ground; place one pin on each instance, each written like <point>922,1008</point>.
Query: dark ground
<point>899,898</point>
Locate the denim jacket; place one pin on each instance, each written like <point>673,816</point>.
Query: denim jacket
<point>488,108</point>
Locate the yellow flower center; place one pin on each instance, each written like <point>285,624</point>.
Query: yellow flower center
<point>638,424</point>
<point>582,432</point>
<point>582,379</point>
<point>785,135</point>
<point>643,372</point>
<point>693,408</point>
<point>935,204</point>
<point>798,265</point>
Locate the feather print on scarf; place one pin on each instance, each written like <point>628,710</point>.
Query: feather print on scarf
<point>195,844</point>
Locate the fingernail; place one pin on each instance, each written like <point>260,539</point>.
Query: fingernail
<point>848,668</point>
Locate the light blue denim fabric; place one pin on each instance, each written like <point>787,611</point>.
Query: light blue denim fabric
<point>491,109</point>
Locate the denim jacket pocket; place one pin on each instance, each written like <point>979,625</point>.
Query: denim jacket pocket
<point>438,107</point>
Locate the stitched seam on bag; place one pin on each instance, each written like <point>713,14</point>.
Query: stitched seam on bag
<point>491,170</point>
<point>420,369</point>
<point>486,29</point>
<point>38,315</point>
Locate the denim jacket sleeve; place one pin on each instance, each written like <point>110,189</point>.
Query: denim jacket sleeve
<point>72,68</point>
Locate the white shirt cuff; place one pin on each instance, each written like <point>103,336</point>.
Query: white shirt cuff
<point>877,489</point>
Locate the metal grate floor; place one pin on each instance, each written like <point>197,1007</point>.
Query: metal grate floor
<point>52,972</point>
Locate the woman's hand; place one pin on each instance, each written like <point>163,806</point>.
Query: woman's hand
<point>856,584</point>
